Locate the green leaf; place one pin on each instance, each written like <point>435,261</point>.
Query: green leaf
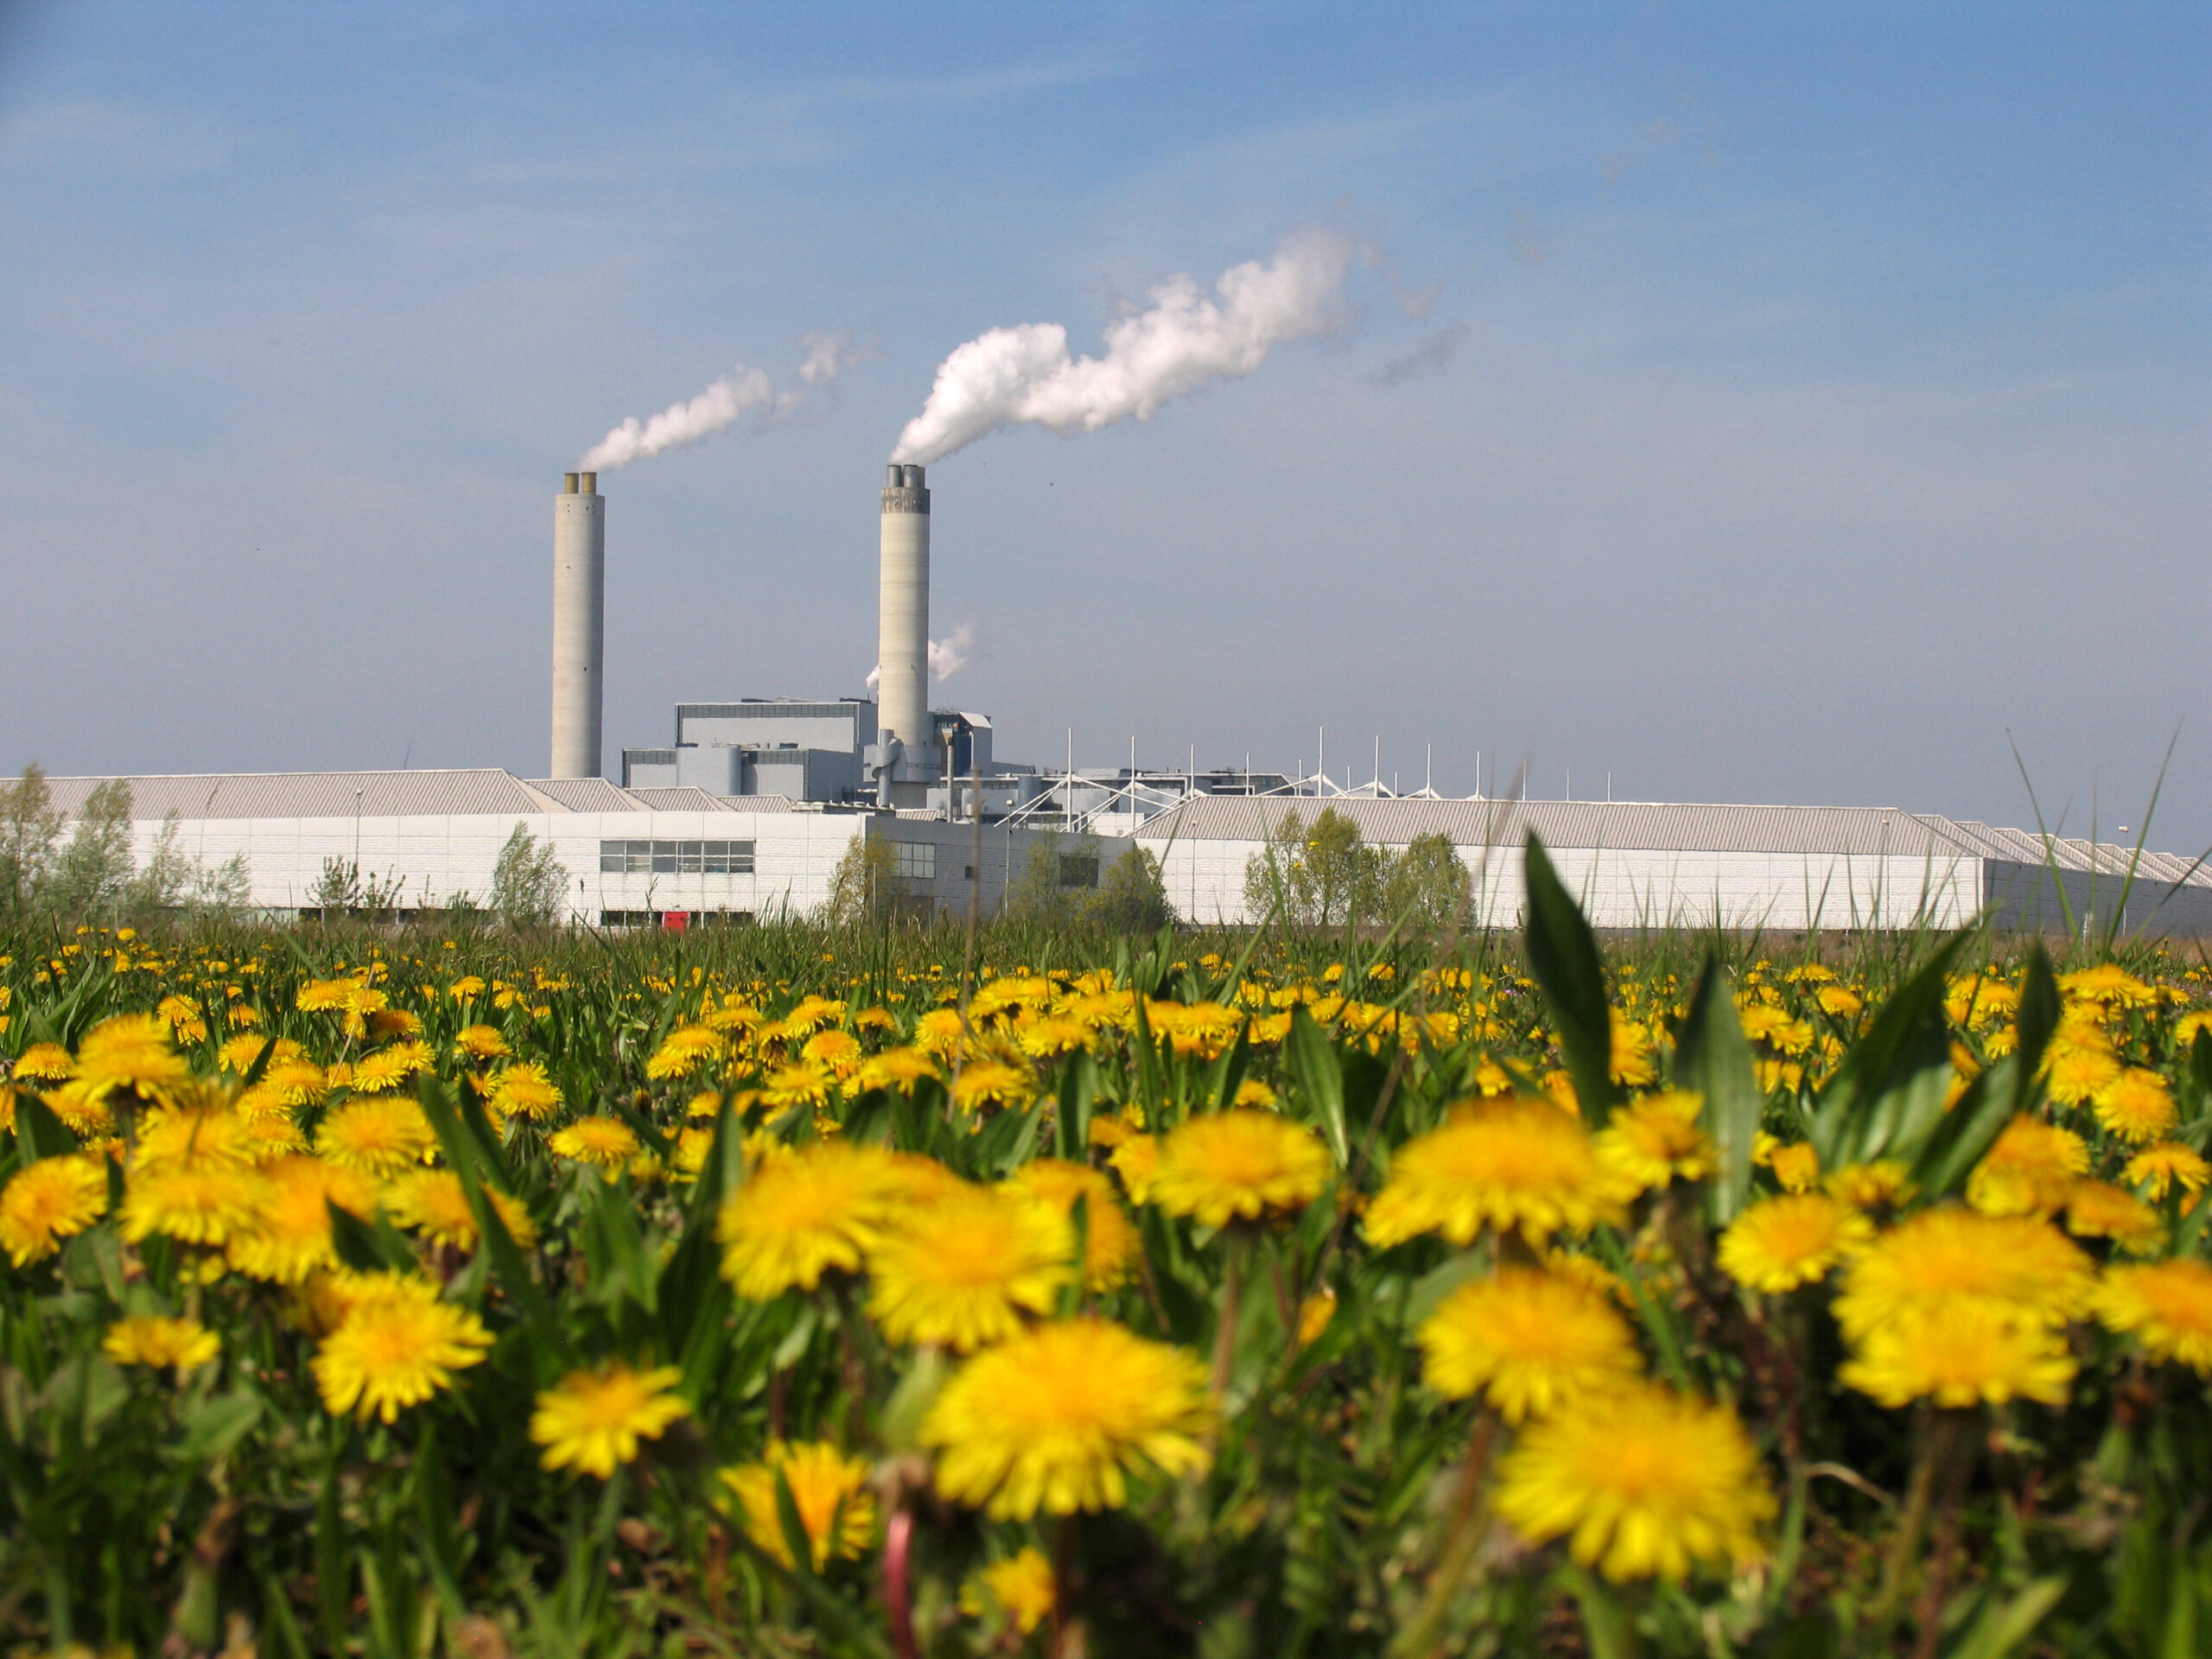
<point>794,1527</point>
<point>2004,1626</point>
<point>1318,1071</point>
<point>2036,1018</point>
<point>1867,1102</point>
<point>1714,1060</point>
<point>1078,1092</point>
<point>362,1246</point>
<point>214,1426</point>
<point>1563,955</point>
<point>39,1132</point>
<point>1967,1131</point>
<point>333,1588</point>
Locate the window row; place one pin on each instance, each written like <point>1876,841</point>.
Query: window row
<point>675,858</point>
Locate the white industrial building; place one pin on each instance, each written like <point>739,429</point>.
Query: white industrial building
<point>1655,866</point>
<point>632,856</point>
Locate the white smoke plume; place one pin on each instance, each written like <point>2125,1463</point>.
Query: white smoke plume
<point>1186,340</point>
<point>947,656</point>
<point>740,391</point>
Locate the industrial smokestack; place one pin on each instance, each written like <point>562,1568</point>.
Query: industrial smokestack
<point>580,623</point>
<point>903,615</point>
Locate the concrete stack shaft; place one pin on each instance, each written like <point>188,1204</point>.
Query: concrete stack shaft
<point>580,624</point>
<point>903,613</point>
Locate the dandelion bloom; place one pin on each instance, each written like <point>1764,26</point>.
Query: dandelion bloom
<point>1656,1140</point>
<point>1798,1239</point>
<point>1947,1255</point>
<point>2167,1165</point>
<point>132,1050</point>
<point>1057,1418</point>
<point>2079,1072</point>
<point>1111,1245</point>
<point>603,1142</point>
<point>839,1050</point>
<point>960,1272</point>
<point>1796,1168</point>
<point>1880,1185</point>
<point>46,1201</point>
<point>797,1217</point>
<point>1019,1587</point>
<point>593,1421</point>
<point>192,1139</point>
<point>2136,1106</point>
<point>291,1081</point>
<point>2028,1170</point>
<point>395,1346</point>
<point>291,1237</point>
<point>829,1490</point>
<point>46,1063</point>
<point>524,1091</point>
<point>1504,1163</point>
<point>1053,1035</point>
<point>2100,1210</point>
<point>435,1203</point>
<point>1136,1161</point>
<point>2165,1306</point>
<point>683,1050</point>
<point>1960,1352</point>
<point>239,1053</point>
<point>1527,1341</point>
<point>182,1343</point>
<point>378,1135</point>
<point>896,1069</point>
<point>481,1042</point>
<point>1238,1164</point>
<point>199,1204</point>
<point>993,1082</point>
<point>1646,1483</point>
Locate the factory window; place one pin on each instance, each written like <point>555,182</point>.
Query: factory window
<point>675,858</point>
<point>1078,870</point>
<point>917,860</point>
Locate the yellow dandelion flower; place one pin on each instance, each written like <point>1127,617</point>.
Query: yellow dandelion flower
<point>593,1421</point>
<point>45,1063</point>
<point>1136,1161</point>
<point>1959,1352</point>
<point>960,1271</point>
<point>396,1345</point>
<point>1840,1001</point>
<point>524,1091</point>
<point>601,1141</point>
<point>2164,1305</point>
<point>2028,1170</point>
<point>192,1139</point>
<point>2108,984</point>
<point>1112,1246</point>
<point>184,1343</point>
<point>290,1238</point>
<point>1020,1588</point>
<point>2136,1106</point>
<point>1945,1256</point>
<point>683,1050</point>
<point>1655,1139</point>
<point>2167,1165</point>
<point>1256,1095</point>
<point>2100,1210</point>
<point>1877,1187</point>
<point>897,1069</point>
<point>1057,1419</point>
<point>293,1080</point>
<point>132,1051</point>
<point>838,1052</point>
<point>1238,1164</point>
<point>799,1217</point>
<point>182,1015</point>
<point>1796,1168</point>
<point>239,1053</point>
<point>1529,1342</point>
<point>804,1084</point>
<point>829,1490</point>
<point>46,1201</point>
<point>379,1135</point>
<point>1798,1239</point>
<point>1050,1037</point>
<point>2079,1073</point>
<point>939,1032</point>
<point>482,1042</point>
<point>1315,1315</point>
<point>1505,1164</point>
<point>434,1203</point>
<point>195,1204</point>
<point>1643,1483</point>
<point>993,1082</point>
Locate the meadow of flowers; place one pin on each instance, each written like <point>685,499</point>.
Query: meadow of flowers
<point>896,1293</point>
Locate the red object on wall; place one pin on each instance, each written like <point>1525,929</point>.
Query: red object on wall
<point>675,921</point>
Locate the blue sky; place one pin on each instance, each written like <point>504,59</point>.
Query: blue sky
<point>1780,403</point>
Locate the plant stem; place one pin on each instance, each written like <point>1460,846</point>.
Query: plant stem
<point>1232,1291</point>
<point>1938,1432</point>
<point>1462,1539</point>
<point>1928,1613</point>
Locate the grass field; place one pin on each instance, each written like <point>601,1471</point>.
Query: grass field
<point>895,1291</point>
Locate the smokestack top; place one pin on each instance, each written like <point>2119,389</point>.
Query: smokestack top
<point>568,483</point>
<point>586,483</point>
<point>907,490</point>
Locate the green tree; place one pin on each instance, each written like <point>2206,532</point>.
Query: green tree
<point>90,876</point>
<point>28,828</point>
<point>529,885</point>
<point>1059,881</point>
<point>1426,888</point>
<point>1132,898</point>
<point>1325,876</point>
<point>866,888</point>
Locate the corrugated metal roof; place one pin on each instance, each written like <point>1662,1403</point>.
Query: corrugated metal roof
<point>318,794</point>
<point>1641,825</point>
<point>2068,852</point>
<point>587,794</point>
<point>690,799</point>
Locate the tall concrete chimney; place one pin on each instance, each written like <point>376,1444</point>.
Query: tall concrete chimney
<point>903,616</point>
<point>579,623</point>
